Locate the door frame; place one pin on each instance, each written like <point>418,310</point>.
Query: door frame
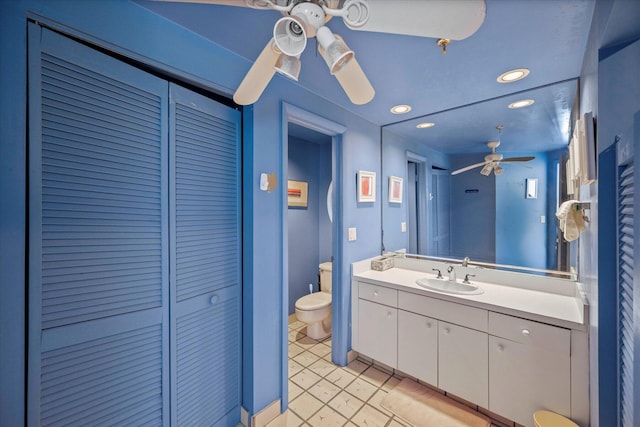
<point>421,201</point>
<point>340,310</point>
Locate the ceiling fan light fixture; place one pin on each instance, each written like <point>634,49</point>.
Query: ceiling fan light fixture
<point>288,66</point>
<point>486,170</point>
<point>400,109</point>
<point>290,36</point>
<point>513,75</point>
<point>425,125</point>
<point>334,50</point>
<point>521,104</point>
<point>498,170</point>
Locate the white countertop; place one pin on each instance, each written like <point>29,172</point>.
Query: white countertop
<point>568,311</point>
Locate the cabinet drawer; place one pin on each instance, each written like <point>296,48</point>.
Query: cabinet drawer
<point>459,314</point>
<point>379,294</point>
<point>551,338</point>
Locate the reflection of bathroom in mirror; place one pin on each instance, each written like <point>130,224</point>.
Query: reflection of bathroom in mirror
<point>503,215</point>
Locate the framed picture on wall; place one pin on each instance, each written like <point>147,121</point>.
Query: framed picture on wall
<point>366,186</point>
<point>297,193</point>
<point>395,189</point>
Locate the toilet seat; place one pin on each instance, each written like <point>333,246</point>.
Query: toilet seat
<point>313,301</point>
<point>551,419</point>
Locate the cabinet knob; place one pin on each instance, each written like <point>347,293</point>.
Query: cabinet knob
<point>447,330</point>
<point>213,299</point>
<point>526,332</point>
<point>428,324</point>
<point>389,314</point>
<point>500,347</point>
<point>375,293</point>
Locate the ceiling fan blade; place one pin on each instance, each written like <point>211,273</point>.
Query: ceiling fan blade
<point>258,77</point>
<point>239,3</point>
<point>517,159</point>
<point>455,20</point>
<point>467,168</point>
<point>355,83</point>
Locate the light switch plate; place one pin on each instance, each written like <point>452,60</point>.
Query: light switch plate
<point>352,234</point>
<point>543,219</point>
<point>403,227</point>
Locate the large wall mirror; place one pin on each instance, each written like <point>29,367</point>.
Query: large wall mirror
<point>477,213</point>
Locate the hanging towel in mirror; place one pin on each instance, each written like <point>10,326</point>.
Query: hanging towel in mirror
<point>570,219</point>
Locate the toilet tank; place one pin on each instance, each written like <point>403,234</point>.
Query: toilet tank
<point>325,276</point>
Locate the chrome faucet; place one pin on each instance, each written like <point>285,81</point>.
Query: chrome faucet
<point>452,273</point>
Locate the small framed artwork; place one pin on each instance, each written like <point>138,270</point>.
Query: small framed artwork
<point>366,186</point>
<point>297,193</point>
<point>395,189</point>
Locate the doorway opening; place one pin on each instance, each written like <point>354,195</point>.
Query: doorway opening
<point>304,125</point>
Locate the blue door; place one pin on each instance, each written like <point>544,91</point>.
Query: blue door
<point>134,315</point>
<point>205,260</point>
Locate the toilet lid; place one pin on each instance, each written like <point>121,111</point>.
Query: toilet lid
<point>314,301</point>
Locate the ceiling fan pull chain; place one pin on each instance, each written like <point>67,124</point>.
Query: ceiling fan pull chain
<point>355,13</point>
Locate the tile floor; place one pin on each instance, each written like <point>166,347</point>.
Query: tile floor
<point>322,394</point>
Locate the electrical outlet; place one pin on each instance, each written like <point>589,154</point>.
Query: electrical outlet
<point>352,234</point>
<point>543,219</point>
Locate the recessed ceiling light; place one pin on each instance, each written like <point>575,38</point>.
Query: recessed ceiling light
<point>425,125</point>
<point>521,104</point>
<point>513,75</point>
<point>400,109</point>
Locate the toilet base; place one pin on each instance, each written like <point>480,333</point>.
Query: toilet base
<point>319,330</point>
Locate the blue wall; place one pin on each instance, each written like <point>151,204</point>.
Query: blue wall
<point>473,214</point>
<point>309,228</point>
<point>521,237</point>
<point>613,99</point>
<point>129,29</point>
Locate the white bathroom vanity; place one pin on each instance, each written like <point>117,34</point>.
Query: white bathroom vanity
<point>519,346</point>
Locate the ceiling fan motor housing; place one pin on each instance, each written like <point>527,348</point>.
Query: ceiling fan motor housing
<point>311,14</point>
<point>493,157</point>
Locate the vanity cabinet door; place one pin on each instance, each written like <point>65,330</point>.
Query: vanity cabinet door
<point>524,378</point>
<point>418,346</point>
<point>377,332</point>
<point>463,362</point>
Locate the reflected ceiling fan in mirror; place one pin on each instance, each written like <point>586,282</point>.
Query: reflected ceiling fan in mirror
<point>493,160</point>
<point>304,19</point>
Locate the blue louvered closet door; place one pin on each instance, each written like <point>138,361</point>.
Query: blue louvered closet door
<point>205,260</point>
<point>108,319</point>
<point>625,294</point>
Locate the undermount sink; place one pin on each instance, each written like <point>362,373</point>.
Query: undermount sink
<point>444,285</point>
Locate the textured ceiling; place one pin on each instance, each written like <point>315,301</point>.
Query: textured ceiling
<point>457,91</point>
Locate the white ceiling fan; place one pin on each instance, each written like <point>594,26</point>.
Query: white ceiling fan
<point>303,19</point>
<point>493,160</point>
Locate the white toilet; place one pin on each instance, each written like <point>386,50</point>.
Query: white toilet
<point>315,309</point>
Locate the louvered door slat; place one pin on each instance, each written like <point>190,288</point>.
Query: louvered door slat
<point>205,256</point>
<point>625,292</point>
<point>98,279</point>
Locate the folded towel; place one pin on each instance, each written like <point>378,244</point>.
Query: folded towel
<point>571,220</point>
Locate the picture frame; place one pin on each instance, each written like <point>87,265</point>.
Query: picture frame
<point>366,186</point>
<point>395,189</point>
<point>297,193</point>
